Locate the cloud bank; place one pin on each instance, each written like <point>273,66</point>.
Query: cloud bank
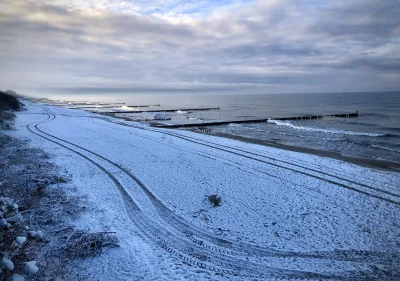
<point>263,46</point>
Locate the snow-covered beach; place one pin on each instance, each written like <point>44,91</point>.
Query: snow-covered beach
<point>283,214</point>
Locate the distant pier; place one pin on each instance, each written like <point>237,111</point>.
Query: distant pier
<point>217,123</point>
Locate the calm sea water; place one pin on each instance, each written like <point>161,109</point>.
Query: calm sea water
<point>374,134</point>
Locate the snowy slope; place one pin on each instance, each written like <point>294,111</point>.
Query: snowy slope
<point>284,215</point>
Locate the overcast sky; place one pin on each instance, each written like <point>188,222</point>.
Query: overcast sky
<point>268,46</point>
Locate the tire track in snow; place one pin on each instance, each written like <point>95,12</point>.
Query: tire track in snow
<point>348,255</point>
<point>217,262</point>
<point>247,246</point>
<point>332,181</point>
<point>290,184</point>
<point>184,136</point>
<point>305,169</point>
<point>144,224</point>
<point>343,255</point>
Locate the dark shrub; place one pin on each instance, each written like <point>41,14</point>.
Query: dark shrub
<point>215,200</point>
<point>8,102</point>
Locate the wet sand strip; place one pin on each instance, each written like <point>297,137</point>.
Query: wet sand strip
<point>370,163</point>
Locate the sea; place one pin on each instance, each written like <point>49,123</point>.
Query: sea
<point>374,134</point>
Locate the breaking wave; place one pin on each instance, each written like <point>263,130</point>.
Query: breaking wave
<point>127,108</point>
<point>331,131</point>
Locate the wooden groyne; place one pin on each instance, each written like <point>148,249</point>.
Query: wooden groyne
<point>163,110</point>
<point>217,123</point>
<point>92,103</point>
<point>143,105</point>
<point>150,120</point>
<point>100,105</point>
<point>120,103</point>
<point>93,107</point>
<point>115,105</point>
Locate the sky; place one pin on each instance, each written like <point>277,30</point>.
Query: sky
<point>228,46</point>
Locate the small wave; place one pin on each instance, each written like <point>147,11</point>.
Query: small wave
<point>124,108</point>
<point>234,125</point>
<point>180,112</point>
<point>385,148</point>
<point>331,131</point>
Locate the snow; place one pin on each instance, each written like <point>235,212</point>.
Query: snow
<point>151,185</point>
<point>30,267</point>
<point>36,234</point>
<point>20,240</point>
<point>6,264</point>
<point>4,223</point>
<point>17,277</point>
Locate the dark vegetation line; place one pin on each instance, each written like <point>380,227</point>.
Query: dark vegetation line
<point>9,101</point>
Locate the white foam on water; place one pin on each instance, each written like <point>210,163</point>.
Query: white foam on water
<point>128,108</point>
<point>316,129</point>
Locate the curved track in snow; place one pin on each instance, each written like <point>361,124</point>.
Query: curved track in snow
<point>200,248</point>
<point>350,184</point>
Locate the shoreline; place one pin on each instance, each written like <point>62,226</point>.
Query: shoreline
<point>140,174</point>
<point>364,162</point>
<point>369,163</point>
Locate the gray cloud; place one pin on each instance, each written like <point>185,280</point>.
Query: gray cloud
<point>371,20</point>
<point>276,46</point>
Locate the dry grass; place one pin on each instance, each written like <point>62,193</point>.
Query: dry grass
<point>82,243</point>
<point>29,178</point>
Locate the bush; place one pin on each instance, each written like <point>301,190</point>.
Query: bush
<point>82,243</point>
<point>215,200</point>
<point>8,102</point>
<point>6,119</point>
